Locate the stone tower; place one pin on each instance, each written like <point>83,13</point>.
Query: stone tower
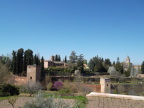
<point>105,85</point>
<point>127,60</point>
<point>127,64</point>
<point>33,73</point>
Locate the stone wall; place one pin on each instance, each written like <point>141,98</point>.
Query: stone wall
<point>104,100</point>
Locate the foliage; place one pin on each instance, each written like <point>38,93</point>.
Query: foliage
<point>36,60</point>
<point>119,67</point>
<point>4,73</point>
<point>50,102</point>
<point>42,69</point>
<point>97,64</point>
<point>20,60</point>
<point>73,57</point>
<point>142,67</point>
<point>65,92</point>
<point>49,86</point>
<point>57,85</point>
<point>31,87</point>
<point>14,63</point>
<point>8,90</point>
<point>71,87</point>
<point>28,59</point>
<point>57,58</point>
<point>65,60</point>
<point>58,70</point>
<point>48,79</point>
<point>80,62</point>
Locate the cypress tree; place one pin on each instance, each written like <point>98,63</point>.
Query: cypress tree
<point>14,63</point>
<point>65,60</point>
<point>56,57</point>
<point>42,69</point>
<point>19,68</point>
<point>59,58</point>
<point>28,59</point>
<point>142,67</point>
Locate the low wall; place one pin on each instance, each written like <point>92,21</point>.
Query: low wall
<point>95,94</point>
<point>105,100</point>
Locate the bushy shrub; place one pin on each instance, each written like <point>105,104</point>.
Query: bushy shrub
<point>65,92</point>
<point>40,102</point>
<point>57,85</point>
<point>4,73</point>
<point>31,87</point>
<point>70,86</point>
<point>49,86</point>
<point>8,90</point>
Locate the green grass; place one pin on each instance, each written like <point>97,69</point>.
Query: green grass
<point>5,97</point>
<point>81,99</point>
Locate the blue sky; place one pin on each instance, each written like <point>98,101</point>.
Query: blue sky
<point>108,28</point>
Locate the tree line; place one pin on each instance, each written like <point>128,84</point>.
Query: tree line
<point>21,58</point>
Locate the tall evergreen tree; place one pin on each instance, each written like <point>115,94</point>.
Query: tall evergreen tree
<point>80,62</point>
<point>119,66</point>
<point>142,67</point>
<point>14,62</point>
<point>42,69</point>
<point>59,58</point>
<point>65,60</point>
<point>73,57</point>
<point>28,59</point>
<point>96,64</point>
<point>19,61</point>
<point>114,63</point>
<point>56,57</point>
<point>34,59</point>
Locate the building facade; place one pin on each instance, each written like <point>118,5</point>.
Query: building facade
<point>33,73</point>
<point>52,63</point>
<point>128,66</point>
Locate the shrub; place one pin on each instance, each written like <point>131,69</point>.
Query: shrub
<point>49,86</point>
<point>12,100</point>
<point>71,86</point>
<point>40,102</point>
<point>8,90</point>
<point>65,92</point>
<point>57,85</point>
<point>4,73</point>
<point>31,87</point>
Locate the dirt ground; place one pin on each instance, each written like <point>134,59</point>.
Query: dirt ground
<point>19,103</point>
<point>98,102</point>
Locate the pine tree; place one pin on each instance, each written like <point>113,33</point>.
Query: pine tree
<point>73,57</point>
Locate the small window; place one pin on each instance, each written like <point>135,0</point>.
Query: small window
<point>30,77</point>
<point>107,84</point>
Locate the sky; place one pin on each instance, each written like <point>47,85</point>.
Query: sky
<point>107,28</point>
